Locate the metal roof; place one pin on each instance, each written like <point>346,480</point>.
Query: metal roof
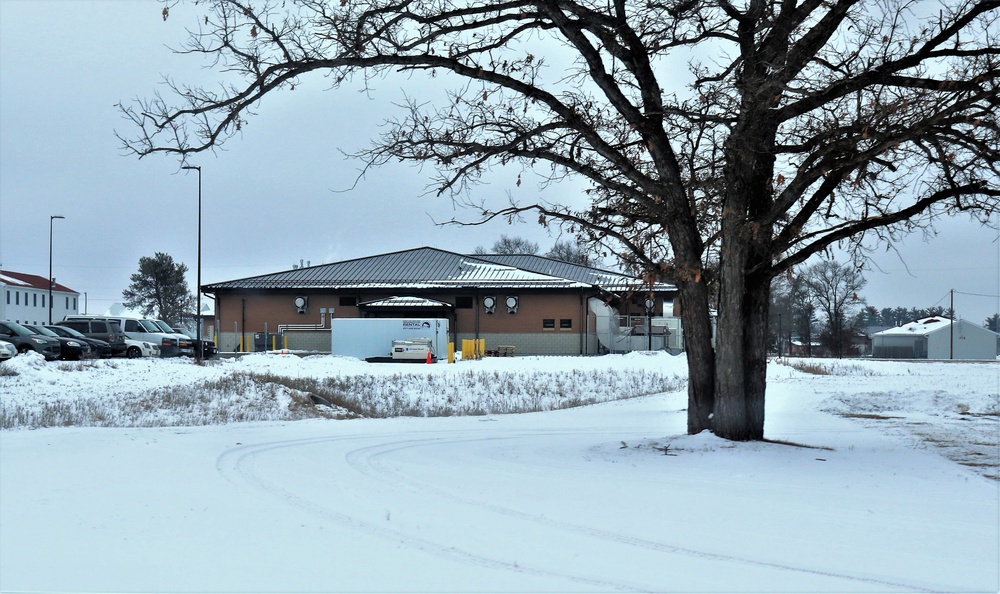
<point>927,326</point>
<point>606,279</point>
<point>20,279</point>
<point>431,268</point>
<point>405,302</point>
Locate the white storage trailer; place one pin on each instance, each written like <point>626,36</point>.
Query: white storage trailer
<point>374,337</point>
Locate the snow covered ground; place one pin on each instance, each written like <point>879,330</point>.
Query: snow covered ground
<point>152,484</point>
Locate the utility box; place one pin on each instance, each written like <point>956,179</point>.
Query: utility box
<point>266,341</point>
<point>374,337</point>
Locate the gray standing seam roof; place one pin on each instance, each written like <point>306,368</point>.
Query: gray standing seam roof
<point>614,281</point>
<point>431,268</point>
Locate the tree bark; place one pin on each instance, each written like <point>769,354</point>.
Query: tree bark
<point>755,309</point>
<point>741,349</point>
<point>697,324</point>
<point>730,420</point>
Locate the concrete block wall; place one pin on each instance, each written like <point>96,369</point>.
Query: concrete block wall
<point>311,340</point>
<point>534,343</point>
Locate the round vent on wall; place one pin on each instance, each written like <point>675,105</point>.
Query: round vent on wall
<point>301,303</point>
<point>490,304</point>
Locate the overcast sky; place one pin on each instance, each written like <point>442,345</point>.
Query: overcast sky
<point>272,197</point>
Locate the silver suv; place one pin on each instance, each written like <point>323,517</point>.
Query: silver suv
<point>106,330</point>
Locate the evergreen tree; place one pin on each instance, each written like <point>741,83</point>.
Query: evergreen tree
<point>159,289</point>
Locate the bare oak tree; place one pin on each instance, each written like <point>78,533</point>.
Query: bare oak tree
<point>834,289</point>
<point>509,245</point>
<point>798,124</point>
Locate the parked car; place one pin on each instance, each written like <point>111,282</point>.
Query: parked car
<point>141,348</point>
<point>25,340</point>
<point>208,347</point>
<point>7,350</point>
<point>107,330</point>
<point>72,349</point>
<point>139,329</point>
<point>100,348</point>
<point>185,344</point>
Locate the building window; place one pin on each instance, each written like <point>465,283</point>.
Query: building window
<point>463,302</point>
<point>8,297</point>
<point>43,300</point>
<point>565,324</point>
<point>548,324</point>
<point>34,300</point>
<point>348,301</point>
<point>67,303</point>
<point>17,298</point>
<point>74,303</point>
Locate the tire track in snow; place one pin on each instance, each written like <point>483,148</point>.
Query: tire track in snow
<point>366,461</point>
<point>236,466</point>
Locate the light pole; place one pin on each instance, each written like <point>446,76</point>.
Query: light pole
<point>51,218</point>
<point>197,317</point>
<point>649,321</point>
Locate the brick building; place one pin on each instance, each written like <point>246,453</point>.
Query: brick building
<point>538,305</point>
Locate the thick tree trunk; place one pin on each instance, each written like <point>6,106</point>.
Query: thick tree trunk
<point>744,282</point>
<point>697,324</point>
<point>730,420</point>
<point>741,352</point>
<point>755,309</point>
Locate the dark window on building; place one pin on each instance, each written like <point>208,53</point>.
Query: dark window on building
<point>463,302</point>
<point>34,300</point>
<point>67,303</point>
<point>348,301</point>
<point>17,298</point>
<point>566,324</point>
<point>43,300</point>
<point>8,297</point>
<point>548,324</point>
<point>74,303</point>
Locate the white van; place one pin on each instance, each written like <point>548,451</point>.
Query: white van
<point>185,344</point>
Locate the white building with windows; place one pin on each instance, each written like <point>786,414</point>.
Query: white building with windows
<point>24,298</point>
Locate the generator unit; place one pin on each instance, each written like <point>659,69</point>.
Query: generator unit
<point>414,349</point>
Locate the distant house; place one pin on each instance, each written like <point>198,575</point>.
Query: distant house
<point>535,304</point>
<point>24,298</point>
<point>935,338</point>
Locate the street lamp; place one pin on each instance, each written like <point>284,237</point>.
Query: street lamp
<point>198,347</point>
<point>51,218</point>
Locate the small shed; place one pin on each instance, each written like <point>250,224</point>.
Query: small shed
<point>935,338</point>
